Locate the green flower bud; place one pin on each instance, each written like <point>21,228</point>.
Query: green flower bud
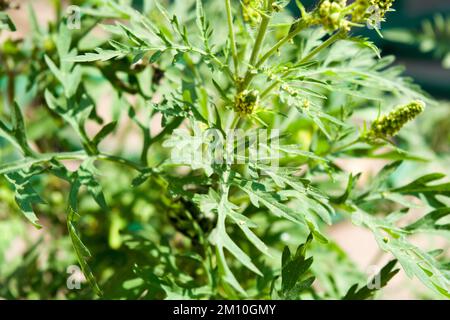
<point>277,7</point>
<point>365,9</point>
<point>251,9</point>
<point>383,5</point>
<point>389,125</point>
<point>246,102</point>
<point>330,14</point>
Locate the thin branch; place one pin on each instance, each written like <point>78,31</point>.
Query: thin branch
<point>232,38</point>
<point>265,20</point>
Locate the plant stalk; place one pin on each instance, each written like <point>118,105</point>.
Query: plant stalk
<point>265,20</point>
<point>301,26</point>
<point>232,38</point>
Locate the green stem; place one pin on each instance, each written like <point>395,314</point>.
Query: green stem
<point>131,164</point>
<point>332,151</point>
<point>301,26</point>
<point>259,39</point>
<point>232,38</point>
<point>57,5</point>
<point>145,147</point>
<point>265,20</point>
<point>324,45</point>
<point>87,144</point>
<point>235,121</point>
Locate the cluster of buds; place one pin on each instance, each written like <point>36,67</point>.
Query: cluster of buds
<point>251,10</point>
<point>368,9</point>
<point>335,14</point>
<point>246,102</point>
<point>331,14</point>
<point>389,125</point>
<point>291,91</point>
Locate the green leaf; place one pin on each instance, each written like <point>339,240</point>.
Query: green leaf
<point>200,13</point>
<point>365,42</point>
<point>82,252</point>
<point>6,23</point>
<point>272,201</point>
<point>245,224</point>
<point>26,196</point>
<point>86,176</point>
<point>414,260</point>
<point>155,57</point>
<point>75,111</point>
<point>54,69</point>
<point>67,75</point>
<point>302,192</point>
<point>142,177</point>
<point>100,55</point>
<point>384,175</point>
<point>34,24</point>
<point>225,271</point>
<point>220,238</point>
<point>351,184</point>
<point>421,185</point>
<point>104,132</point>
<point>294,269</point>
<point>221,91</point>
<point>429,222</point>
<point>17,134</point>
<point>18,123</point>
<point>63,42</point>
<point>378,282</point>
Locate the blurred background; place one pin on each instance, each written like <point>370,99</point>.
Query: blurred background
<point>418,34</point>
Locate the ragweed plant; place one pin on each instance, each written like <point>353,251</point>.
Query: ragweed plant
<point>389,125</point>
<point>185,147</point>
